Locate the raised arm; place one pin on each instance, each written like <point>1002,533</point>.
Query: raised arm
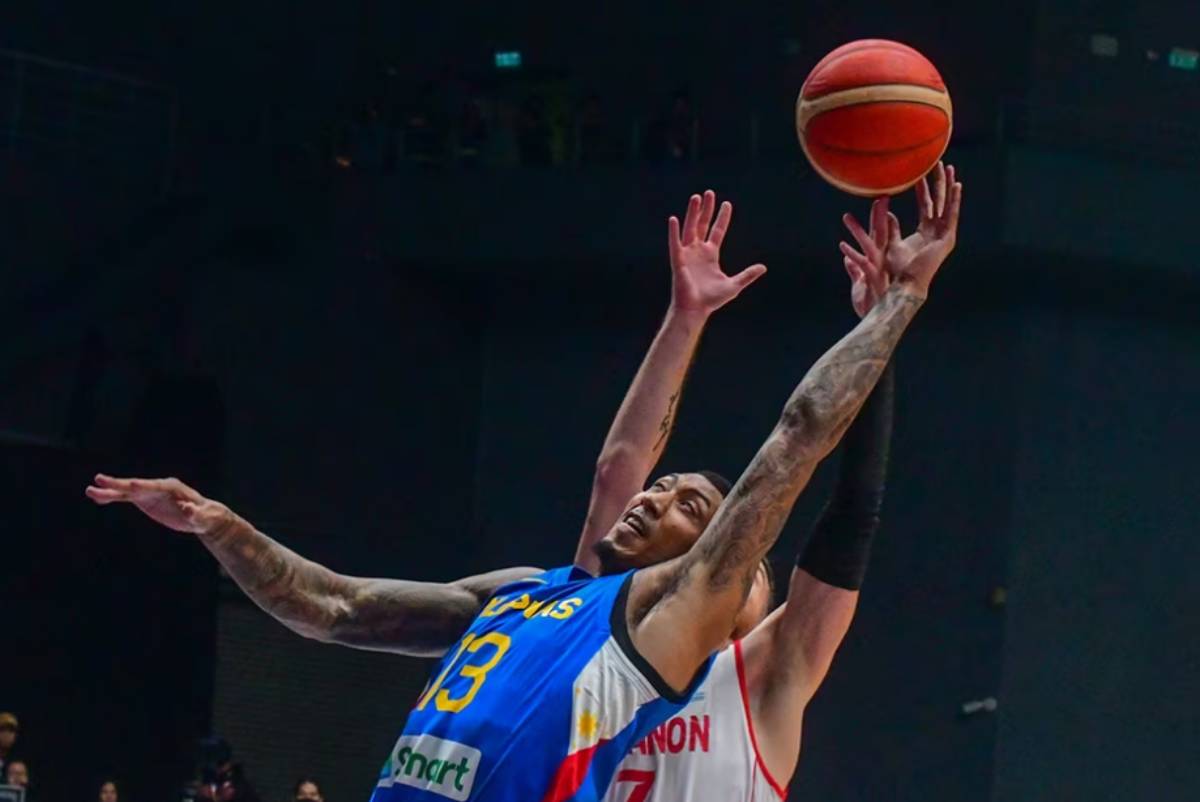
<point>788,656</point>
<point>638,435</point>
<point>414,618</point>
<point>683,610</point>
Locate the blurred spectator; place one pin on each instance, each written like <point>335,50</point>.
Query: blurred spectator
<point>307,790</point>
<point>108,792</point>
<point>221,779</point>
<point>17,773</point>
<point>9,727</point>
<point>596,140</point>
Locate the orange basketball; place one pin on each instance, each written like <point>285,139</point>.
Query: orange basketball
<point>873,117</point>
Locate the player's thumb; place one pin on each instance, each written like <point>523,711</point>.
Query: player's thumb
<point>750,275</point>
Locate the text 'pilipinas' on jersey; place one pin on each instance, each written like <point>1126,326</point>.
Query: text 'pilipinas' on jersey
<point>539,701</point>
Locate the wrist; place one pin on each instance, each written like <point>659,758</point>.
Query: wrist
<point>686,315</point>
<point>911,288</point>
<point>220,524</point>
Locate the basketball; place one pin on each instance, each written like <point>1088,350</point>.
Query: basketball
<point>873,117</point>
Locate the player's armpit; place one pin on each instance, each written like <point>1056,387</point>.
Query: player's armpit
<point>786,659</point>
<point>684,610</point>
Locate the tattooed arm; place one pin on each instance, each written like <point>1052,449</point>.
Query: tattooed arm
<point>639,433</point>
<point>681,611</point>
<point>414,618</point>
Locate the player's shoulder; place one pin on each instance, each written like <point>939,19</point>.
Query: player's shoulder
<point>552,577</point>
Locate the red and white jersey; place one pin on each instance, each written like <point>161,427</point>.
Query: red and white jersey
<point>706,752</point>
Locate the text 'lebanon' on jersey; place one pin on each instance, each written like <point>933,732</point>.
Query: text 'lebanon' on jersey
<point>708,751</point>
<point>538,702</point>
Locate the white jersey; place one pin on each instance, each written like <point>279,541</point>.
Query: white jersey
<point>707,752</point>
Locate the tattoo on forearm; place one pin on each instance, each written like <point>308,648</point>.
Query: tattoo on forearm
<point>664,426</point>
<point>294,590</point>
<point>814,419</point>
<point>416,618</point>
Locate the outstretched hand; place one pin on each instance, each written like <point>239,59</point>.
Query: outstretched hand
<point>166,501</point>
<point>869,278</point>
<point>914,259</point>
<point>698,284</point>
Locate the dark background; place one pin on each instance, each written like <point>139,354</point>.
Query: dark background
<point>402,361</point>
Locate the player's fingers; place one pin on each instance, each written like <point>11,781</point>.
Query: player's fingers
<point>875,277</point>
<point>673,244</point>
<point>116,483</point>
<point>849,252</point>
<point>708,204</point>
<point>102,496</point>
<point>854,271</point>
<point>893,228</point>
<point>953,206</point>
<point>924,199</point>
<point>722,225</point>
<point>879,229</point>
<point>870,270</point>
<point>939,189</point>
<point>860,236</point>
<point>689,220</point>
<point>750,275</point>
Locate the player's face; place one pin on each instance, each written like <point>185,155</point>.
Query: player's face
<point>108,793</point>
<point>660,523</point>
<point>758,604</point>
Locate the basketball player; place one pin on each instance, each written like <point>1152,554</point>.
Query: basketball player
<point>581,668</point>
<point>739,736</point>
<point>424,619</point>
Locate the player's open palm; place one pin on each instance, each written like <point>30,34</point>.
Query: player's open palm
<point>166,501</point>
<point>698,284</point>
<point>917,257</point>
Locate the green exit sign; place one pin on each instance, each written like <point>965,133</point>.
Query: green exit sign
<point>1183,59</point>
<point>508,59</point>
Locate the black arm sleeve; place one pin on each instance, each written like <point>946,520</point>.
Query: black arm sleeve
<point>840,542</point>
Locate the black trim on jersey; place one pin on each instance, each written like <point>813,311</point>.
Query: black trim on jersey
<point>619,625</point>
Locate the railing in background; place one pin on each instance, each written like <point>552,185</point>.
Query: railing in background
<point>56,117</point>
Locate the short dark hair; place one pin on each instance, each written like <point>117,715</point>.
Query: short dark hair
<point>718,481</point>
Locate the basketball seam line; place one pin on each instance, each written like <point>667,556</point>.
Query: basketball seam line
<point>861,152</point>
<point>875,86</point>
<point>808,109</point>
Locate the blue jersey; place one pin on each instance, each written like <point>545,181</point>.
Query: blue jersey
<point>539,701</point>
